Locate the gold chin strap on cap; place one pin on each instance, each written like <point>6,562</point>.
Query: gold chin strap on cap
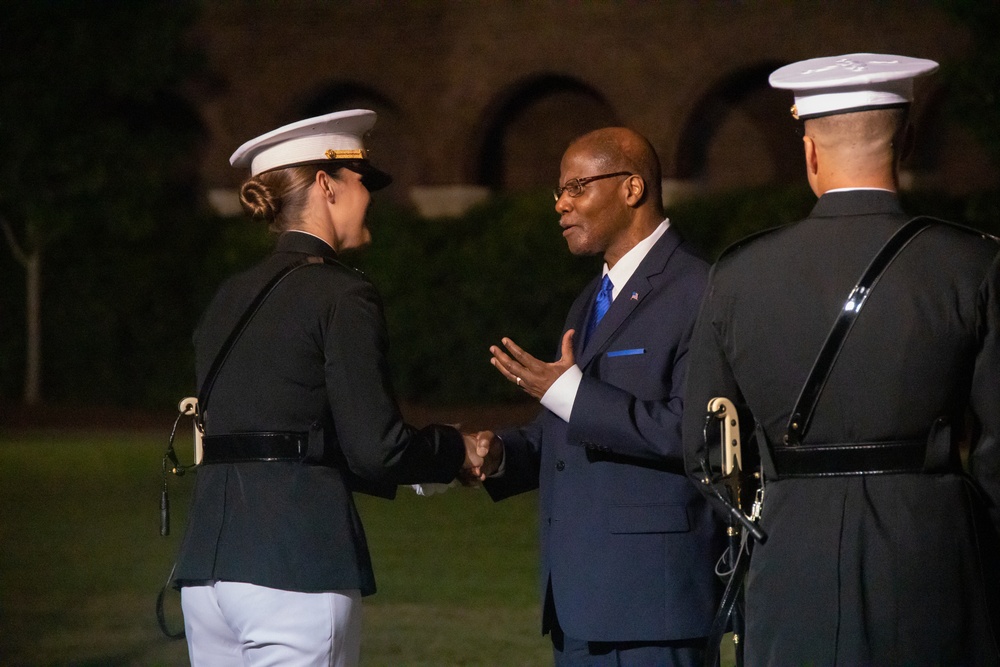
<point>795,111</point>
<point>351,154</point>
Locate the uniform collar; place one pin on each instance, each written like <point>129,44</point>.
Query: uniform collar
<point>856,202</point>
<point>305,243</point>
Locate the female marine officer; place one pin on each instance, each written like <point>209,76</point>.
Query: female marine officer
<point>299,414</point>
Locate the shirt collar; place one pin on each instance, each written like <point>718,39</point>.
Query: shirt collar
<point>855,189</point>
<point>630,261</point>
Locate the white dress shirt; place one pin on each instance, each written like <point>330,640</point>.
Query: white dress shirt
<point>562,394</point>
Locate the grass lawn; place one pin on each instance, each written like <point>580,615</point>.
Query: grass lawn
<point>81,561</point>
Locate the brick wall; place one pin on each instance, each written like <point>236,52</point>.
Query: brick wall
<point>488,93</point>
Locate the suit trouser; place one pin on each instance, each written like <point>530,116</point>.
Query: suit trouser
<point>235,624</point>
<point>572,652</point>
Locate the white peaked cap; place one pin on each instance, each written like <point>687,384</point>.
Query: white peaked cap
<point>333,137</point>
<point>853,82</point>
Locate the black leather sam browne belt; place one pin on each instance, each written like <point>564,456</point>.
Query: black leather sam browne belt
<point>849,459</point>
<point>256,446</point>
<point>232,448</point>
<point>794,459</point>
<point>315,446</point>
<point>291,446</point>
<point>260,446</point>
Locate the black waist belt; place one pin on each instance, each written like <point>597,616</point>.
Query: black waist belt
<point>263,446</point>
<point>865,458</point>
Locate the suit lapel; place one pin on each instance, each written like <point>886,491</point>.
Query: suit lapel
<point>631,295</point>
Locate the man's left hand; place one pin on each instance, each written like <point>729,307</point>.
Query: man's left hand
<point>530,374</point>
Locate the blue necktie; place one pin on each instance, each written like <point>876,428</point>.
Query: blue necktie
<point>601,304</point>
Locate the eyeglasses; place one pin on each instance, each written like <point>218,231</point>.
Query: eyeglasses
<point>574,188</point>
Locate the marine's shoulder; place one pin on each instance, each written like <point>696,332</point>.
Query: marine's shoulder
<point>758,242</point>
<point>958,233</point>
<point>328,271</point>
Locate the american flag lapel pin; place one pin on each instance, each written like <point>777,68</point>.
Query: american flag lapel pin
<point>634,297</point>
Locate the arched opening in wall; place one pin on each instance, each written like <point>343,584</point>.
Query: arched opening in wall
<point>946,156</point>
<point>390,145</point>
<point>741,133</point>
<point>528,127</point>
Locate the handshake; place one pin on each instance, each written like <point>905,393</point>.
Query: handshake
<point>484,450</point>
<point>483,456</point>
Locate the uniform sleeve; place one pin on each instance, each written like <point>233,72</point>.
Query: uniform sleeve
<point>376,442</point>
<point>984,457</point>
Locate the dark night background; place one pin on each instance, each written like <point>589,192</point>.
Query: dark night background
<point>109,148</point>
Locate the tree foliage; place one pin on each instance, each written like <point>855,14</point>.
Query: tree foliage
<point>98,164</point>
<point>99,181</point>
<point>974,90</point>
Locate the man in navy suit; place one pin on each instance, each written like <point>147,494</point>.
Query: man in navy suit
<point>628,545</point>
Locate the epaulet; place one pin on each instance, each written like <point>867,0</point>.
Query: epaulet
<point>746,240</point>
<point>336,263</point>
<point>961,228</point>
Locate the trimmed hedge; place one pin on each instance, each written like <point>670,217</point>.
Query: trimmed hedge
<point>119,311</point>
<point>453,287</point>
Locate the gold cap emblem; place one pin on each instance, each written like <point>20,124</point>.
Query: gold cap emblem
<point>352,154</point>
<point>795,111</point>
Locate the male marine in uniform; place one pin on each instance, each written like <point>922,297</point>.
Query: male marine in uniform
<point>869,559</point>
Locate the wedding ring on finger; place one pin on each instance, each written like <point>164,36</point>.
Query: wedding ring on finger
<point>518,382</point>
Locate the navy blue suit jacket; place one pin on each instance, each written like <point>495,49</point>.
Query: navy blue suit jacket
<point>628,545</point>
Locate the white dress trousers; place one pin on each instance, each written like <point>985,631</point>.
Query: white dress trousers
<point>229,623</point>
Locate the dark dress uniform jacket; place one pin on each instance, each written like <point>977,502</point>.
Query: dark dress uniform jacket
<point>312,360</point>
<point>628,545</point>
<point>864,569</point>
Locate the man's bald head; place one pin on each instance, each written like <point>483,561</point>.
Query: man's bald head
<point>620,204</point>
<point>622,149</point>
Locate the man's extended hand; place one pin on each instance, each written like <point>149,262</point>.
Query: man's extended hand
<point>530,374</point>
<point>489,449</point>
<point>472,467</point>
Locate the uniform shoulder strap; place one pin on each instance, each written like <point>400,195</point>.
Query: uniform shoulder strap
<point>241,325</point>
<point>802,413</point>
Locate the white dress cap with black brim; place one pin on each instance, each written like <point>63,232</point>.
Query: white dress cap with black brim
<point>336,138</point>
<point>853,82</point>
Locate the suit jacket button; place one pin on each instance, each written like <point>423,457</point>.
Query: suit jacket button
<point>560,465</point>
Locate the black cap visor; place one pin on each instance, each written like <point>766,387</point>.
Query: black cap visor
<point>372,177</point>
